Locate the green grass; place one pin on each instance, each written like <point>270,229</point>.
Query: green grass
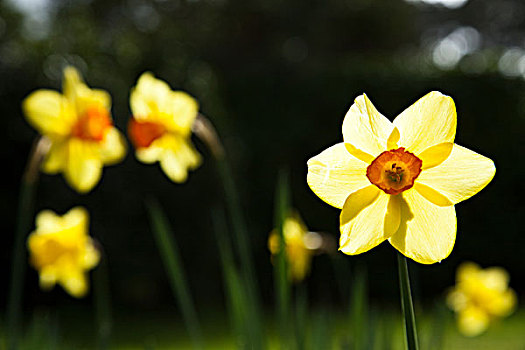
<point>74,329</point>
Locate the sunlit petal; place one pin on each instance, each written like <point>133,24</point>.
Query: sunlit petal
<point>334,174</point>
<point>427,232</point>
<point>84,167</point>
<point>49,112</point>
<point>428,122</point>
<point>368,218</point>
<point>113,147</point>
<point>463,174</point>
<point>435,155</point>
<point>56,158</point>
<point>365,128</point>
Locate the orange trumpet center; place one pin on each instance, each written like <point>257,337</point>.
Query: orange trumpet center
<point>394,171</point>
<point>142,134</point>
<point>92,125</point>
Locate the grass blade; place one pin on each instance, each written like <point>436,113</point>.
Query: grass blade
<point>281,279</point>
<point>103,318</point>
<point>169,253</point>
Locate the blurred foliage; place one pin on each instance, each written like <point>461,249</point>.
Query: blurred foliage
<point>276,77</point>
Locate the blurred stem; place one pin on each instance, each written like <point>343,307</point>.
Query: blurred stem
<point>406,303</point>
<point>102,304</point>
<point>359,309</point>
<point>281,278</point>
<point>205,130</point>
<point>24,219</point>
<point>169,253</point>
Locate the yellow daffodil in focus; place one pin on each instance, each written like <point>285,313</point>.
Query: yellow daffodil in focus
<point>160,128</point>
<point>62,251</point>
<point>399,181</point>
<point>300,246</point>
<point>78,124</point>
<point>480,297</point>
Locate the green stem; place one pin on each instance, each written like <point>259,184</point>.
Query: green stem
<point>102,304</point>
<point>24,222</point>
<point>207,133</point>
<point>169,252</point>
<point>406,304</point>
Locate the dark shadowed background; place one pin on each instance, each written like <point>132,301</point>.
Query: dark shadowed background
<point>276,78</point>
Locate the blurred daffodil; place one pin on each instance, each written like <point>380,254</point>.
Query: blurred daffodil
<point>62,251</point>
<point>399,180</point>
<point>78,124</point>
<point>480,297</point>
<point>300,246</point>
<point>161,125</point>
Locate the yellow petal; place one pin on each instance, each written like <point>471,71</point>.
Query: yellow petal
<point>49,113</point>
<point>153,100</point>
<point>428,122</point>
<point>80,95</point>
<point>91,256</point>
<point>357,153</point>
<point>84,166</point>
<point>365,128</point>
<point>502,304</point>
<point>178,157</point>
<point>75,283</point>
<point>432,195</point>
<point>463,174</point>
<point>466,271</point>
<point>435,155</point>
<point>496,278</point>
<point>184,110</point>
<point>48,277</point>
<point>393,139</point>
<point>334,174</point>
<point>473,321</point>
<point>71,81</point>
<point>147,97</point>
<point>427,232</point>
<point>56,158</point>
<point>113,148</point>
<point>368,218</point>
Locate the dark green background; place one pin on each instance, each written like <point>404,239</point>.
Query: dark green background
<point>276,78</point>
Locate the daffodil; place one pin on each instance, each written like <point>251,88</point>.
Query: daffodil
<point>62,251</point>
<point>399,181</point>
<point>161,125</point>
<point>480,297</point>
<point>79,126</point>
<point>299,245</point>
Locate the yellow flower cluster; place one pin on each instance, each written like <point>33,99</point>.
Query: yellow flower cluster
<point>480,297</point>
<point>78,125</point>
<point>399,181</point>
<point>83,139</point>
<point>62,251</point>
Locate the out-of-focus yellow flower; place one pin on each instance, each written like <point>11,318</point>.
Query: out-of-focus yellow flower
<point>160,128</point>
<point>300,246</point>
<point>480,297</point>
<point>78,124</point>
<point>399,181</point>
<point>62,251</point>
